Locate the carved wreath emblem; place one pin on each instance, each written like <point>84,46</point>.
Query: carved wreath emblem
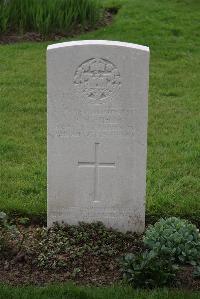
<point>97,79</point>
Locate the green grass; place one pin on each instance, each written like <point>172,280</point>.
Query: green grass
<point>73,292</point>
<point>171,29</point>
<point>46,16</point>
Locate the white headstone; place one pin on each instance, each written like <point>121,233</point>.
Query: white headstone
<point>97,133</point>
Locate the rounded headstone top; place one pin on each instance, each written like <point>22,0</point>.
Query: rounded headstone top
<point>97,42</point>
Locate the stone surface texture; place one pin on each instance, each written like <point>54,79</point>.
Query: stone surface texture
<point>97,133</point>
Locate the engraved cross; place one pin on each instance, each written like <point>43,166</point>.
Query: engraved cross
<point>96,165</point>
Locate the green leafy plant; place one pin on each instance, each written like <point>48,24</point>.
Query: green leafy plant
<point>8,234</point>
<point>176,237</point>
<point>148,269</point>
<point>196,272</point>
<point>3,218</point>
<point>52,243</point>
<point>24,221</point>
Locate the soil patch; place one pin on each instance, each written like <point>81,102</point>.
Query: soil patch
<point>91,255</point>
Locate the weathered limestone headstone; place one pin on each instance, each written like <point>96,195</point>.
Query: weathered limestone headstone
<point>97,133</point>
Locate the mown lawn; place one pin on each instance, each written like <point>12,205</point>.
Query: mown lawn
<point>73,292</point>
<point>171,29</point>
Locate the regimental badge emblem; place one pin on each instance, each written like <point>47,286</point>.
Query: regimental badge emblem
<point>97,80</point>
